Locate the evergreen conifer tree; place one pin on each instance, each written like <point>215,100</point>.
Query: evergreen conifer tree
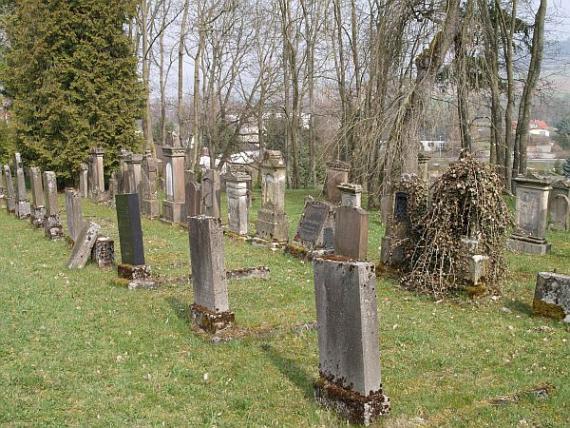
<point>71,72</point>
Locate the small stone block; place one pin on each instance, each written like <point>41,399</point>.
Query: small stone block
<point>133,273</point>
<point>552,296</point>
<point>210,322</point>
<point>528,247</point>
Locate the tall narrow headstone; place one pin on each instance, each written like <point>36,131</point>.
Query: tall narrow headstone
<point>423,166</point>
<point>150,203</point>
<point>559,205</point>
<point>10,192</point>
<point>23,209</point>
<point>123,176</point>
<point>531,215</point>
<point>52,224</point>
<point>238,207</point>
<point>272,222</point>
<point>74,214</point>
<point>84,180</point>
<point>2,188</point>
<point>210,311</point>
<point>351,236</point>
<point>133,267</point>
<point>113,188</point>
<point>173,206</point>
<point>97,174</point>
<point>193,206</point>
<point>38,197</point>
<point>337,173</point>
<point>135,174</point>
<point>211,193</point>
<point>349,350</point>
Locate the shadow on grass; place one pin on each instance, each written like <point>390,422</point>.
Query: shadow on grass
<point>290,369</point>
<point>180,309</point>
<point>520,306</point>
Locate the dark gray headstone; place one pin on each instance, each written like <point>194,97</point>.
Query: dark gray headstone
<point>315,226</point>
<point>130,230</point>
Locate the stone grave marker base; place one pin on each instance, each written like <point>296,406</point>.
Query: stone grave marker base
<point>260,272</point>
<point>272,226</point>
<point>306,254</point>
<point>53,228</point>
<point>23,210</point>
<point>37,217</point>
<point>103,252</point>
<point>139,276</point>
<point>552,296</point>
<point>351,405</point>
<point>173,212</point>
<point>151,208</point>
<point>208,321</point>
<point>522,244</point>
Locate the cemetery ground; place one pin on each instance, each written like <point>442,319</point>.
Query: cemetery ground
<point>78,348</point>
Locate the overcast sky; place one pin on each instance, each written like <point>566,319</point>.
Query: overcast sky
<point>559,19</point>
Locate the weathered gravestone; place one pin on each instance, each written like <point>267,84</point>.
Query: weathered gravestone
<point>73,212</point>
<point>173,206</point>
<point>52,224</point>
<point>38,197</point>
<point>103,252</point>
<point>552,296</point>
<point>349,349</point>
<point>134,166</point>
<point>10,192</point>
<point>123,176</point>
<point>423,166</point>
<point>238,207</point>
<point>150,203</point>
<point>531,216</point>
<point>559,205</point>
<point>81,252</point>
<point>97,174</point>
<point>272,223</point>
<point>23,209</point>
<point>193,195</point>
<point>210,311</point>
<point>133,267</point>
<point>113,189</point>
<point>211,193</point>
<point>337,173</point>
<point>351,235</point>
<point>84,180</point>
<point>2,188</point>
<point>473,265</point>
<point>316,227</point>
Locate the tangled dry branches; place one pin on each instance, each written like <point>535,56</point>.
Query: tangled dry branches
<point>467,202</point>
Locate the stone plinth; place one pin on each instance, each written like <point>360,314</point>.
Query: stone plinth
<point>337,173</point>
<point>73,212</point>
<point>211,193</point>
<point>97,174</point>
<point>173,206</point>
<point>351,235</point>
<point>23,208</point>
<point>52,225</point>
<point>134,165</point>
<point>210,311</point>
<point>150,204</point>
<point>38,197</point>
<point>531,216</point>
<point>559,205</point>
<point>84,180</point>
<point>193,205</point>
<point>272,222</point>
<point>10,192</point>
<point>474,265</point>
<point>423,166</point>
<point>349,349</point>
<point>238,207</point>
<point>123,175</point>
<point>552,296</point>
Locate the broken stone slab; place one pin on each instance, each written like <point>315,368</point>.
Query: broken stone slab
<point>552,296</point>
<point>260,272</point>
<point>103,252</point>
<point>81,252</point>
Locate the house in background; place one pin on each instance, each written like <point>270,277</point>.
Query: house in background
<point>539,128</point>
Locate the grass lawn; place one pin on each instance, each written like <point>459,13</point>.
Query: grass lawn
<point>76,349</point>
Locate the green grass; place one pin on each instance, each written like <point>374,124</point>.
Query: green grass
<point>75,349</point>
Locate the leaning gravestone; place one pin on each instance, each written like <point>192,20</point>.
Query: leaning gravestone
<point>73,211</point>
<point>316,227</point>
<point>84,243</point>
<point>23,209</point>
<point>531,215</point>
<point>133,267</point>
<point>552,296</point>
<point>349,349</point>
<point>38,197</point>
<point>10,193</point>
<point>210,311</point>
<point>52,224</point>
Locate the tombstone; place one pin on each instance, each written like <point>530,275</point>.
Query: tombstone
<point>552,296</point>
<point>52,224</point>
<point>10,192</point>
<point>74,214</point>
<point>2,188</point>
<point>423,166</point>
<point>81,252</point>
<point>474,266</point>
<point>123,177</point>
<point>531,216</point>
<point>210,311</point>
<point>135,174</point>
<point>337,173</point>
<point>238,207</point>
<point>316,227</point>
<point>133,267</point>
<point>38,197</point>
<point>113,189</point>
<point>272,223</point>
<point>211,193</point>
<point>150,205</point>
<point>349,350</point>
<point>173,206</point>
<point>84,180</point>
<point>396,239</point>
<point>193,195</point>
<point>559,205</point>
<point>23,209</point>
<point>103,252</point>
<point>97,176</point>
<point>351,234</point>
